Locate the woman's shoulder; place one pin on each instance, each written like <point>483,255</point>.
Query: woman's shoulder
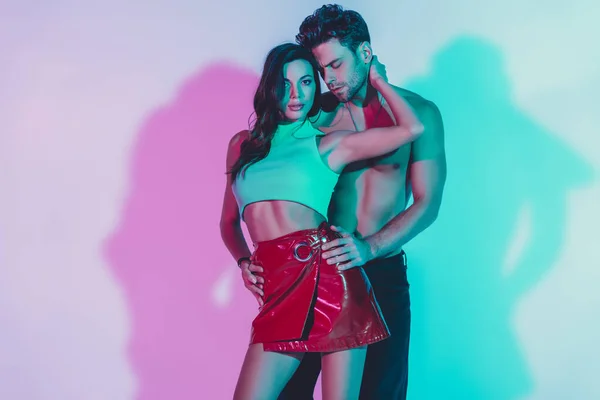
<point>237,139</point>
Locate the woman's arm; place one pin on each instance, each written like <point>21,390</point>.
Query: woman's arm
<point>231,228</point>
<point>349,147</point>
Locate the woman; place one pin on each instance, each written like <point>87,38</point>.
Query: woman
<point>281,177</point>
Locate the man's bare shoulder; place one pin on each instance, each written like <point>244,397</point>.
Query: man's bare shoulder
<point>430,146</point>
<point>416,101</point>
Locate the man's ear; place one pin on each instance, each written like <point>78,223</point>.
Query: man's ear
<point>365,52</point>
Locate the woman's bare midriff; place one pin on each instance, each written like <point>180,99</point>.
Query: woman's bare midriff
<point>267,220</point>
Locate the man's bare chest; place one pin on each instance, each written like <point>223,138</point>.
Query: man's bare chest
<point>347,119</point>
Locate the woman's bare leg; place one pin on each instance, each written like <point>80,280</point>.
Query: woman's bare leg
<point>342,374</point>
<point>265,373</point>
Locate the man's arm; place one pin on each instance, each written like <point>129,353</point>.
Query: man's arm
<point>427,177</point>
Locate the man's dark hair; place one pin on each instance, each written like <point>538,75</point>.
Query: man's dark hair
<point>331,21</point>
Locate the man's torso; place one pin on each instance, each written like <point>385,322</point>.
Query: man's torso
<point>369,193</point>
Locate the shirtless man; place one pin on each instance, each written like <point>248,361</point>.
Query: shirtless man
<point>369,204</point>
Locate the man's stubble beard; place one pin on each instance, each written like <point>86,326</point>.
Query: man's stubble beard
<point>354,89</point>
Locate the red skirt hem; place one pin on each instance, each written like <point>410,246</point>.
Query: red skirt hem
<point>328,346</point>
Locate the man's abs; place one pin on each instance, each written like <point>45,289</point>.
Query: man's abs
<point>368,195</point>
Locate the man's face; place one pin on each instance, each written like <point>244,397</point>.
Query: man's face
<point>342,70</point>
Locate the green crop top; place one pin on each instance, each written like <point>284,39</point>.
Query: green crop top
<point>292,171</point>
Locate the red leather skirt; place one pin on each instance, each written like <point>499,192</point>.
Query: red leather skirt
<point>310,306</point>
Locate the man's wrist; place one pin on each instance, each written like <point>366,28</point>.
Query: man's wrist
<point>372,248</point>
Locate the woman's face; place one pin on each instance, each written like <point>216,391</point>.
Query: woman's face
<point>300,87</point>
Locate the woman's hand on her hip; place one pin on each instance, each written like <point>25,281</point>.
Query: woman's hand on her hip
<point>252,280</point>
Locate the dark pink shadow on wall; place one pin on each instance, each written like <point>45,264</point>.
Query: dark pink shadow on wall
<point>166,251</point>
